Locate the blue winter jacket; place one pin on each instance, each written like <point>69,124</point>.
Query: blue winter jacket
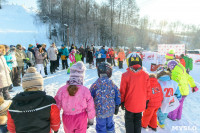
<point>8,57</point>
<point>103,53</point>
<point>64,51</point>
<point>106,96</point>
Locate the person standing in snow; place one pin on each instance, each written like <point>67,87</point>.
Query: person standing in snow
<point>31,55</point>
<point>32,111</point>
<point>4,106</point>
<point>9,62</point>
<point>64,56</point>
<point>103,54</point>
<point>121,57</point>
<point>45,59</point>
<point>40,56</point>
<point>188,63</point>
<point>90,58</point>
<point>98,57</point>
<point>78,56</point>
<point>86,52</point>
<point>52,55</point>
<point>112,54</point>
<point>180,75</point>
<point>135,92</point>
<point>14,67</point>
<point>72,59</point>
<point>149,117</point>
<point>76,101</point>
<point>106,97</point>
<point>108,56</point>
<point>171,94</point>
<point>5,80</point>
<point>21,57</point>
<point>82,52</point>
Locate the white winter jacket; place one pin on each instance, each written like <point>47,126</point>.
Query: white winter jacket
<point>52,53</point>
<point>5,80</point>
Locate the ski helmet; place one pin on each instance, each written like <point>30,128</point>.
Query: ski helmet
<point>134,59</point>
<point>171,64</point>
<point>104,68</point>
<point>161,71</point>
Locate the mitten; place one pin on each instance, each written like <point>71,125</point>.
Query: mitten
<point>147,104</point>
<point>116,109</point>
<point>55,131</point>
<point>195,89</point>
<point>90,122</point>
<point>122,106</point>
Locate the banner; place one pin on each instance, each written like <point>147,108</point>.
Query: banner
<point>178,48</point>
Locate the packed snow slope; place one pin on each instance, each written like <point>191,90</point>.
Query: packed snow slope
<point>188,124</point>
<point>19,24</point>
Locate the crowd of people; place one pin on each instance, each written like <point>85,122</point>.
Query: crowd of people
<point>148,99</point>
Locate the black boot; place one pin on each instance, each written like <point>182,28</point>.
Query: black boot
<point>154,129</point>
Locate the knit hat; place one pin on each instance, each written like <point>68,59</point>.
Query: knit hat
<point>77,74</point>
<point>170,55</point>
<point>32,79</point>
<point>4,106</point>
<point>18,46</point>
<point>171,64</point>
<point>39,46</point>
<point>30,45</point>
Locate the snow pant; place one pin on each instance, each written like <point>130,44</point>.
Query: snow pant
<point>102,60</point>
<point>98,61</point>
<point>75,123</point>
<point>20,71</point>
<point>45,70</point>
<point>133,122</point>
<point>4,92</point>
<point>161,117</point>
<point>10,87</point>
<point>57,61</point>
<point>3,129</point>
<point>109,60</point>
<point>177,113</point>
<point>120,64</point>
<point>68,70</point>
<point>64,64</point>
<point>40,69</point>
<point>52,66</point>
<point>150,117</point>
<point>82,58</point>
<point>15,76</point>
<point>105,125</point>
<point>113,61</point>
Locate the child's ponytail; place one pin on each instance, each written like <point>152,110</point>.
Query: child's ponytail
<point>72,89</point>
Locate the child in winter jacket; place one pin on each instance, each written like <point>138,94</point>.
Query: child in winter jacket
<point>98,57</point>
<point>72,59</point>
<point>149,117</point>
<point>76,101</point>
<point>121,57</point>
<point>107,99</point>
<point>180,75</point>
<point>135,91</point>
<point>4,105</point>
<point>32,111</point>
<point>170,94</point>
<point>78,56</point>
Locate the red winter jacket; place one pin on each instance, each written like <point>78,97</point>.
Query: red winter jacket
<point>54,120</point>
<point>135,89</point>
<point>156,95</point>
<point>182,61</point>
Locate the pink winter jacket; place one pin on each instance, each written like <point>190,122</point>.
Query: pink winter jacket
<point>72,105</point>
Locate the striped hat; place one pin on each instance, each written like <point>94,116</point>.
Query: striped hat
<point>32,80</point>
<point>4,105</point>
<point>170,55</point>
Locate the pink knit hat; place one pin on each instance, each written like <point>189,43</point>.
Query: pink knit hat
<point>77,74</point>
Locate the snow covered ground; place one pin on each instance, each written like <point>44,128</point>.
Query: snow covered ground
<point>190,118</point>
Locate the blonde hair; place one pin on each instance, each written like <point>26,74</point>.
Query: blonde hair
<point>2,47</point>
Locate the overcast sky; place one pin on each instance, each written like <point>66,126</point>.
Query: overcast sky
<point>186,11</point>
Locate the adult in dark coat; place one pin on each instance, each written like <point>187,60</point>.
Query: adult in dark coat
<point>90,57</point>
<point>82,52</point>
<point>86,52</point>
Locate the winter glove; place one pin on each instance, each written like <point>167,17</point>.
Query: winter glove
<point>116,109</point>
<point>55,131</point>
<point>90,122</point>
<point>195,89</point>
<point>147,104</point>
<point>122,106</point>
